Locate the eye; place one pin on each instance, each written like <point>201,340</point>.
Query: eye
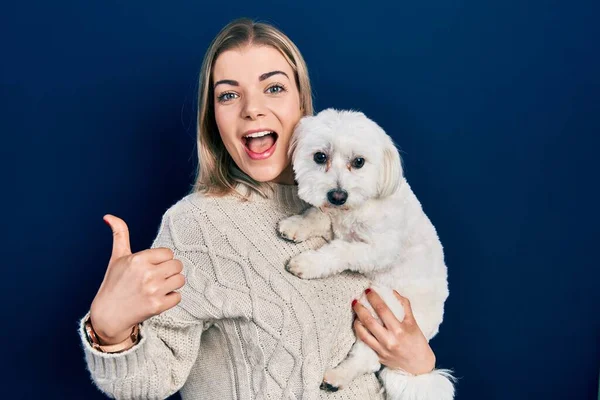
<point>277,88</point>
<point>223,97</point>
<point>358,162</point>
<point>320,158</point>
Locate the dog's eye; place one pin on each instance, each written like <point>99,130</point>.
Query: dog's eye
<point>358,162</point>
<point>320,158</point>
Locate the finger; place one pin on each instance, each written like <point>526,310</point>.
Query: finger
<point>369,322</point>
<point>173,283</point>
<point>383,311</point>
<point>169,268</point>
<point>121,245</point>
<point>408,313</point>
<point>363,334</point>
<point>170,301</point>
<point>158,255</point>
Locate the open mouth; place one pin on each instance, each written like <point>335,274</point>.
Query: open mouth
<point>260,145</point>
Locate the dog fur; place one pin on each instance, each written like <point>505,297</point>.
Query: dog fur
<point>380,231</point>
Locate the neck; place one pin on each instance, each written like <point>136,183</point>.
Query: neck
<point>286,177</point>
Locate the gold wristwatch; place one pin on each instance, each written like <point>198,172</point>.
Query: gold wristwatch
<point>126,344</point>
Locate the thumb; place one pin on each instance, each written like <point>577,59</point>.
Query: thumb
<point>121,245</point>
<point>408,313</point>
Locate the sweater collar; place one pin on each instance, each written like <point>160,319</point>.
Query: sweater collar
<point>277,193</point>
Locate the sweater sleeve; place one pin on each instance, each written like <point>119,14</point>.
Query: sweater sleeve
<point>159,364</point>
<point>155,368</point>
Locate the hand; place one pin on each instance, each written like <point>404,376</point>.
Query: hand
<point>135,286</point>
<point>399,345</point>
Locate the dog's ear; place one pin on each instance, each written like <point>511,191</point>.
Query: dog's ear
<point>391,170</point>
<point>296,135</point>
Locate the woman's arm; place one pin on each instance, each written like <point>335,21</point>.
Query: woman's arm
<point>401,346</point>
<point>159,364</point>
<point>156,367</point>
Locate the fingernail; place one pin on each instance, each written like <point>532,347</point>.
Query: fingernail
<point>367,291</point>
<point>354,302</point>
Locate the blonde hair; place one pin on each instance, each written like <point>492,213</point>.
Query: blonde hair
<point>217,174</point>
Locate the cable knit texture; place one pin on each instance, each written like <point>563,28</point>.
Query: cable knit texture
<point>245,328</point>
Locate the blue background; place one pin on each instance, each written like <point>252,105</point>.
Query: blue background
<point>494,104</point>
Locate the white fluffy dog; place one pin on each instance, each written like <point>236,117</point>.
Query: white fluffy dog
<point>350,171</point>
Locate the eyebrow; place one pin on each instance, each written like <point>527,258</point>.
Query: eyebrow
<point>261,78</point>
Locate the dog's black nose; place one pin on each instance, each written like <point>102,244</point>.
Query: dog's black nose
<point>337,197</point>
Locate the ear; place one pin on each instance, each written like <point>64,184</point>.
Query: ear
<point>391,170</point>
<point>296,135</point>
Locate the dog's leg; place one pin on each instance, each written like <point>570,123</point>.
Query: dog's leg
<point>361,360</point>
<point>298,228</point>
<point>337,256</point>
<point>435,385</point>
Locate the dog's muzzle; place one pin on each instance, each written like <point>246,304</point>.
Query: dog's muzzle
<point>337,197</point>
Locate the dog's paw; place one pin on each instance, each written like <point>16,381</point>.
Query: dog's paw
<point>328,387</point>
<point>295,229</point>
<point>305,265</point>
<point>333,381</point>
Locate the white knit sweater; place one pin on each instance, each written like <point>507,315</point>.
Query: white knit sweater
<point>245,328</point>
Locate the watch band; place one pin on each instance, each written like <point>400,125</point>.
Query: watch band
<point>126,344</point>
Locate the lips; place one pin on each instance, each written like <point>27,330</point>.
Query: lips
<point>260,144</point>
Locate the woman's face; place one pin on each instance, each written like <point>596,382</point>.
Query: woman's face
<point>257,106</point>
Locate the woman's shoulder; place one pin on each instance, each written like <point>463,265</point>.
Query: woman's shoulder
<point>194,203</point>
<point>198,211</point>
<point>191,224</point>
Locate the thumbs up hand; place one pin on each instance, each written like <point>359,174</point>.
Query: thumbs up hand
<point>135,286</point>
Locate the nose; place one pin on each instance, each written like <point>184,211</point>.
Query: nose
<point>253,107</point>
<point>337,197</point>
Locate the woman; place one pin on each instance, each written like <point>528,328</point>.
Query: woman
<point>210,310</point>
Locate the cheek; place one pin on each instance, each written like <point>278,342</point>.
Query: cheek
<point>366,185</point>
<point>226,128</point>
<point>289,119</point>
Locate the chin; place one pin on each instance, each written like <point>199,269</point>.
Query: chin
<point>267,170</point>
<point>265,174</point>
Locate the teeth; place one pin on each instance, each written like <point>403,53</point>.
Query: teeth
<point>259,134</point>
